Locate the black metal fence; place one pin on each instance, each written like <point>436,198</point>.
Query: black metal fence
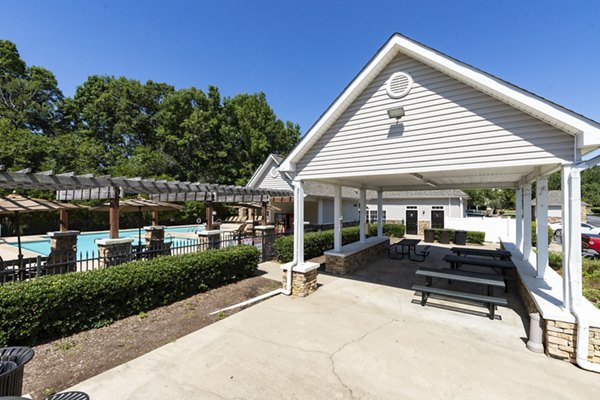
<point>28,268</point>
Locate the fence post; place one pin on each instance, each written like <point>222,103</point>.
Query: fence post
<point>38,266</point>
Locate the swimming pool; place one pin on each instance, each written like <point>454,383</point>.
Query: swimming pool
<point>86,242</point>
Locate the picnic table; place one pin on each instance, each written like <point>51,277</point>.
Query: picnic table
<point>467,251</point>
<point>490,281</point>
<point>407,247</point>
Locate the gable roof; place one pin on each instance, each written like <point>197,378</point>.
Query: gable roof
<point>263,169</point>
<point>587,130</point>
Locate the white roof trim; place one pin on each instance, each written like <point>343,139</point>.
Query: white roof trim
<point>553,114</point>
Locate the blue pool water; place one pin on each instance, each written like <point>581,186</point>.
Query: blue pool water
<point>86,241</point>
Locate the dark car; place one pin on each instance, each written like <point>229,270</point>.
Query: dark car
<point>590,245</point>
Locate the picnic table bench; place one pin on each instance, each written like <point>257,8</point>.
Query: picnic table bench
<point>491,281</point>
<point>466,251</point>
<point>457,261</point>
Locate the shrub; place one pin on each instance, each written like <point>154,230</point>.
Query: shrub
<point>390,230</point>
<point>59,305</point>
<point>595,210</point>
<point>534,234</point>
<point>590,271</point>
<point>315,243</point>
<point>476,237</point>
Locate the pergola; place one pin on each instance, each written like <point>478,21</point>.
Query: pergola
<point>416,119</point>
<point>70,187</point>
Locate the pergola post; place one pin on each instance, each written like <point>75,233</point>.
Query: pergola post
<point>541,215</point>
<point>113,214</point>
<point>526,221</point>
<point>337,218</point>
<point>155,218</point>
<point>380,213</point>
<point>265,213</point>
<point>363,215</point>
<point>63,217</point>
<point>209,216</point>
<point>519,218</point>
<point>566,234</point>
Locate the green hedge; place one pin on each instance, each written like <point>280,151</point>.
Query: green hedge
<point>54,306</point>
<point>595,210</point>
<point>315,243</point>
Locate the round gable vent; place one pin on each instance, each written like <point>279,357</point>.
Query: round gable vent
<point>398,85</point>
<point>274,172</point>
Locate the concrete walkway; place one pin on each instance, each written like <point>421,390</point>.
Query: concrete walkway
<point>352,339</point>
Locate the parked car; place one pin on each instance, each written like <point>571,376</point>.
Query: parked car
<point>475,213</point>
<point>590,245</point>
<point>585,228</point>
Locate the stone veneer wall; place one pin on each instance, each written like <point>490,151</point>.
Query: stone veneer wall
<point>422,226</point>
<point>345,264</point>
<point>560,337</point>
<point>113,254</point>
<point>303,283</point>
<point>560,341</point>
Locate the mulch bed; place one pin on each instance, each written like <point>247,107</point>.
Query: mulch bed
<point>65,362</point>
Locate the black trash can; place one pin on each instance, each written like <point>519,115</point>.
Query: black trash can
<point>11,377</point>
<point>460,237</point>
<point>429,236</point>
<point>444,237</point>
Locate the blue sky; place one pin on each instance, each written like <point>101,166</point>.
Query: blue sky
<point>303,53</point>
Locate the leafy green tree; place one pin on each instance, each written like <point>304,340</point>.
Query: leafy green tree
<point>29,96</point>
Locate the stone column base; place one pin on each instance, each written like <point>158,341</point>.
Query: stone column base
<point>114,251</point>
<point>304,278</point>
<point>209,240</point>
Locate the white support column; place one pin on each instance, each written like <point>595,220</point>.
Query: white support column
<point>519,218</point>
<point>541,215</point>
<point>573,240</point>
<point>380,213</point>
<point>526,221</point>
<point>363,215</point>
<point>337,218</point>
<point>299,221</point>
<point>320,211</point>
<point>566,234</point>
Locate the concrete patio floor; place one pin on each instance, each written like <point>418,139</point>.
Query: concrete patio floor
<point>357,337</point>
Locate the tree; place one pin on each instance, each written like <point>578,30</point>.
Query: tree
<point>29,96</point>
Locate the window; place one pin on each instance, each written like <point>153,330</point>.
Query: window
<point>437,207</point>
<point>411,207</point>
<point>372,217</point>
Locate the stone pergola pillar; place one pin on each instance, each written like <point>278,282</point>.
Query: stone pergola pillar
<point>541,215</point>
<point>209,239</point>
<point>114,251</point>
<point>154,237</point>
<point>526,221</point>
<point>337,218</point>
<point>63,251</point>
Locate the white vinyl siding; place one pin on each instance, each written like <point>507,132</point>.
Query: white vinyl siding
<point>268,182</point>
<point>448,125</point>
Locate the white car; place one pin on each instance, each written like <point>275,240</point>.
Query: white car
<point>585,228</point>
